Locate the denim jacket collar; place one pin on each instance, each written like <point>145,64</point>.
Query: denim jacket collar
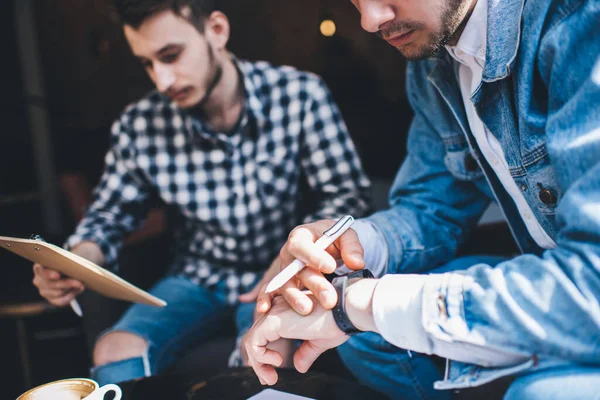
<point>503,36</point>
<point>502,44</point>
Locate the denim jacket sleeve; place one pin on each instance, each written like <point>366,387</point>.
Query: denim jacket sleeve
<point>544,307</point>
<point>431,209</point>
<point>549,306</point>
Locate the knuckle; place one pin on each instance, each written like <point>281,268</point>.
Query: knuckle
<point>284,253</point>
<point>294,243</point>
<point>294,231</point>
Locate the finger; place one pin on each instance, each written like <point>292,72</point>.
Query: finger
<point>319,286</point>
<point>267,356</point>
<point>301,245</point>
<point>306,355</point>
<point>45,284</point>
<point>251,295</point>
<point>351,250</point>
<point>298,300</point>
<point>266,374</point>
<point>62,284</point>
<point>51,294</point>
<point>46,273</point>
<point>64,300</point>
<point>264,300</point>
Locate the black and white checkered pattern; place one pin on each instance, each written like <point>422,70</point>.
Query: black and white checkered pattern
<point>239,193</point>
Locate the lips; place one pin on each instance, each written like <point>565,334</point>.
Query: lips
<point>179,94</point>
<point>400,39</point>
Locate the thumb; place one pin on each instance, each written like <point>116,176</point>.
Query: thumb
<point>306,355</point>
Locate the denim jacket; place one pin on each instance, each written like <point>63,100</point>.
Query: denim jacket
<point>540,97</point>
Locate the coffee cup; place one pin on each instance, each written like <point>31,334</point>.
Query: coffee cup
<point>71,389</point>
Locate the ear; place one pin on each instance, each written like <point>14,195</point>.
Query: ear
<point>217,30</point>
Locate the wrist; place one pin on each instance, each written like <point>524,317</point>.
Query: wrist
<point>90,251</point>
<point>359,304</point>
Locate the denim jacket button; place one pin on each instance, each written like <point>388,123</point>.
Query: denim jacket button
<point>546,196</point>
<point>470,163</point>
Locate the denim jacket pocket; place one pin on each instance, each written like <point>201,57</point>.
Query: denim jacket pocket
<point>543,186</point>
<point>537,177</point>
<point>461,163</point>
<point>463,375</point>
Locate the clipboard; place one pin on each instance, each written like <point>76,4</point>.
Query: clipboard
<point>69,264</point>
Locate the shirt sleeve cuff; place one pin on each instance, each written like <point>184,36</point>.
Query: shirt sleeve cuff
<point>108,250</point>
<point>374,245</point>
<point>397,311</point>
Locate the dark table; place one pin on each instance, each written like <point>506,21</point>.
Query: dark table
<point>242,383</point>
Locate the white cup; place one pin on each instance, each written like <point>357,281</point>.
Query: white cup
<point>71,389</point>
<point>99,393</point>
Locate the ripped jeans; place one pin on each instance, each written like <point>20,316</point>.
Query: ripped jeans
<point>193,315</point>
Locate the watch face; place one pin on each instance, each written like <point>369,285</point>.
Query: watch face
<point>358,275</point>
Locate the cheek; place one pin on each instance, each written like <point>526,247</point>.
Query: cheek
<point>151,74</point>
<point>194,68</point>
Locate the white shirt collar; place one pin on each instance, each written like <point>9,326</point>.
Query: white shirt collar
<point>472,41</point>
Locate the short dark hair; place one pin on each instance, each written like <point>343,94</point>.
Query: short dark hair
<point>134,12</point>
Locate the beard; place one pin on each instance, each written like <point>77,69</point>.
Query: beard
<point>453,17</point>
<point>213,79</point>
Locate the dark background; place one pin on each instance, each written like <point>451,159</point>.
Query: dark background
<point>88,77</point>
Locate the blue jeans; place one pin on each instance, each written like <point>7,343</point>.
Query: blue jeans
<point>401,375</point>
<point>192,316</point>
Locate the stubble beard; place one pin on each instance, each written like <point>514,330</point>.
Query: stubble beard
<point>452,21</point>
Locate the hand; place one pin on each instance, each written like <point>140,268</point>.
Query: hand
<point>318,330</point>
<point>58,290</point>
<point>301,244</point>
<point>260,287</point>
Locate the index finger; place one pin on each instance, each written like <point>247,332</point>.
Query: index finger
<point>301,245</point>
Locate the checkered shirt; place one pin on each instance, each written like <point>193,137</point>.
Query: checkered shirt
<point>239,194</point>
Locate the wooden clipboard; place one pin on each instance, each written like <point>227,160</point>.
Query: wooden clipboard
<point>91,275</point>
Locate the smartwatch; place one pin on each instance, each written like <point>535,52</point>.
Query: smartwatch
<point>340,283</point>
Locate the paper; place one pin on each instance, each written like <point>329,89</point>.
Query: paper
<point>272,394</point>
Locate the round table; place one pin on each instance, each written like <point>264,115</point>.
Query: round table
<point>242,383</point>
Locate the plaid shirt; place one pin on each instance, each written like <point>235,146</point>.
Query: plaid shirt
<point>240,193</point>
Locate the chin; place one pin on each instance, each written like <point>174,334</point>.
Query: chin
<point>188,102</point>
<point>415,52</point>
<point>192,100</point>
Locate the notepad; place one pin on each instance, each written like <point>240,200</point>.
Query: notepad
<point>94,277</point>
<point>272,394</point>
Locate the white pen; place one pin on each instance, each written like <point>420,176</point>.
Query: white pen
<point>329,236</point>
<point>76,307</point>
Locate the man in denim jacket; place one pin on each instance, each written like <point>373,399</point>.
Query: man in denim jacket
<point>506,95</point>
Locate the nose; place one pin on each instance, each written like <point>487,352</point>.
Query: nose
<point>374,14</point>
<point>164,77</point>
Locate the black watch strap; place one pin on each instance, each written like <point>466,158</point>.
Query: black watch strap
<point>339,311</point>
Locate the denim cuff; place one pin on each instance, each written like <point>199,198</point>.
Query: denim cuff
<point>121,371</point>
<point>393,239</point>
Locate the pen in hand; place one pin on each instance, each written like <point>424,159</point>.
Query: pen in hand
<point>74,303</point>
<point>329,236</point>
